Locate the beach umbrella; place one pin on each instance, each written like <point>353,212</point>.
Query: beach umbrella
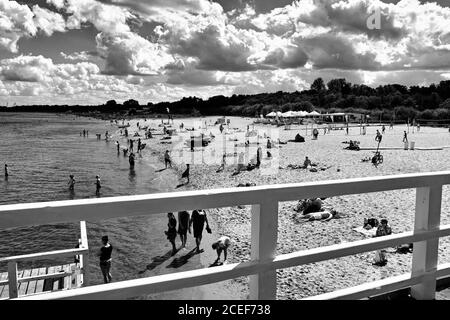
<point>279,114</point>
<point>271,115</point>
<point>288,114</point>
<point>314,113</point>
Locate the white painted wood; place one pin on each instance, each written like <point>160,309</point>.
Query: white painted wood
<point>54,275</point>
<point>370,289</point>
<point>42,255</point>
<point>12,278</point>
<point>425,254</point>
<point>84,258</point>
<point>263,286</point>
<point>141,205</point>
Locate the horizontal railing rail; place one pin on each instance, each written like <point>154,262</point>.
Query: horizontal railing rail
<point>264,224</point>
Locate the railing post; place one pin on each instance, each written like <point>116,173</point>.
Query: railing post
<point>12,279</point>
<point>263,286</point>
<point>84,256</point>
<point>425,254</point>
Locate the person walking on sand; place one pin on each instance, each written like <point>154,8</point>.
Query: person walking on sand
<point>97,185</point>
<point>183,226</point>
<point>171,233</point>
<point>186,173</point>
<point>71,182</point>
<point>258,157</point>
<point>405,136</point>
<point>105,259</point>
<point>6,171</point>
<point>167,159</point>
<point>198,220</point>
<point>222,244</point>
<point>383,129</point>
<point>118,147</point>
<point>378,137</point>
<point>139,145</point>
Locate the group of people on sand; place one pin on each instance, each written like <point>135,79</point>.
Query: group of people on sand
<point>195,222</point>
<point>84,133</point>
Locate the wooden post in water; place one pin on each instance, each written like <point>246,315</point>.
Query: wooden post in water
<point>425,254</point>
<point>263,286</point>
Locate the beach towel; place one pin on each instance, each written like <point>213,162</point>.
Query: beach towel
<point>368,233</point>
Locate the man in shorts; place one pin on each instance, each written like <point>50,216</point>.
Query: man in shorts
<point>183,226</point>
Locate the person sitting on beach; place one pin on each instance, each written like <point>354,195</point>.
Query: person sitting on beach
<point>125,152</point>
<point>383,230</point>
<point>97,185</point>
<point>309,205</point>
<point>171,233</point>
<point>186,173</point>
<point>183,226</point>
<point>307,163</point>
<point>167,159</point>
<point>71,182</point>
<point>198,220</point>
<point>222,244</point>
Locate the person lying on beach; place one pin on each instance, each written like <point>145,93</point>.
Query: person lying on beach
<point>222,244</point>
<point>248,184</point>
<point>322,215</point>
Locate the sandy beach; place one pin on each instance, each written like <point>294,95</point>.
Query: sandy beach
<point>328,151</point>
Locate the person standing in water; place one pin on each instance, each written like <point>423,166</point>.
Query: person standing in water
<point>131,145</point>
<point>131,160</point>
<point>183,226</point>
<point>97,185</point>
<point>198,220</point>
<point>118,147</point>
<point>171,233</point>
<point>71,182</point>
<point>105,259</point>
<point>6,171</point>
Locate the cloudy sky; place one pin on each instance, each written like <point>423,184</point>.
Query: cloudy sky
<point>90,51</point>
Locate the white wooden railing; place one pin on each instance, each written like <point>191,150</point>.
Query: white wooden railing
<point>264,224</point>
<point>82,251</point>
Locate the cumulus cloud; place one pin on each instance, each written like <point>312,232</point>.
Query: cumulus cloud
<point>17,21</point>
<point>130,54</point>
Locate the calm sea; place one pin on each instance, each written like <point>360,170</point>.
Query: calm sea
<point>41,151</point>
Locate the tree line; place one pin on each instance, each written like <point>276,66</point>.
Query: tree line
<point>386,102</point>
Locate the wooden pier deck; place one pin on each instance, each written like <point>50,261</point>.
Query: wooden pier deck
<point>54,278</point>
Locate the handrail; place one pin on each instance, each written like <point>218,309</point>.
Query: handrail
<point>43,255</point>
<point>264,225</point>
<point>26,214</point>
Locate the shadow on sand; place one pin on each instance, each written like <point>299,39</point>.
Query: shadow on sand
<point>160,170</point>
<point>178,262</point>
<point>157,261</point>
<point>181,185</point>
<point>215,264</point>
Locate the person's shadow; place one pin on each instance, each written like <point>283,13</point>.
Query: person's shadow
<point>178,262</point>
<point>181,185</point>
<point>157,261</point>
<point>216,263</point>
<point>160,170</point>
